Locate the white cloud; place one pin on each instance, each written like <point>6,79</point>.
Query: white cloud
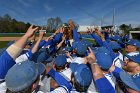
<point>24,3</point>
<point>86,21</point>
<point>48,8</point>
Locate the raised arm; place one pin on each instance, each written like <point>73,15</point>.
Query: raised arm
<point>15,49</point>
<point>7,59</point>
<point>102,84</point>
<point>35,48</point>
<point>74,30</point>
<point>105,44</point>
<point>60,44</point>
<point>95,37</point>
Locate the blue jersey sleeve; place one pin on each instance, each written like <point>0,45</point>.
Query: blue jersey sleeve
<point>104,86</point>
<point>75,35</point>
<point>97,39</point>
<point>6,62</point>
<point>58,38</point>
<point>43,42</point>
<point>107,36</point>
<point>29,54</point>
<point>116,72</point>
<point>48,43</point>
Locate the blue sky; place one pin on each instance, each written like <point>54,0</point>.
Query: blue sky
<point>83,12</point>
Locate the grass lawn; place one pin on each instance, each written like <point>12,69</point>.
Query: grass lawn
<point>3,44</point>
<point>11,35</point>
<point>18,34</point>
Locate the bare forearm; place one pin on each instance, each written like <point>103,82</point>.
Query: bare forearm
<point>21,42</point>
<point>35,48</point>
<point>15,49</point>
<point>97,72</point>
<point>102,38</point>
<point>60,44</point>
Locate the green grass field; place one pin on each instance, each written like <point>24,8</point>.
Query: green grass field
<point>19,35</point>
<point>11,35</point>
<point>3,44</point>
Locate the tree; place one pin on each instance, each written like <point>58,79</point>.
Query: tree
<point>50,24</point>
<point>7,24</point>
<point>125,28</point>
<point>53,23</point>
<point>58,22</point>
<point>7,17</point>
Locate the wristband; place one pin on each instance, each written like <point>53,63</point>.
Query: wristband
<point>94,63</point>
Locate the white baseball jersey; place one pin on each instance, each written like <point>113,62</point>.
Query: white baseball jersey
<point>21,58</point>
<point>111,79</point>
<point>118,61</point>
<point>78,60</point>
<point>3,87</point>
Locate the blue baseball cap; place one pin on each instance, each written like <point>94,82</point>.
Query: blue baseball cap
<point>82,73</point>
<point>74,44</point>
<point>114,45</point>
<point>60,60</point>
<point>94,49</point>
<point>116,38</point>
<point>134,58</point>
<point>22,75</point>
<point>134,42</point>
<point>104,60</point>
<point>68,48</point>
<point>50,59</point>
<point>103,50</point>
<point>87,43</point>
<point>133,81</point>
<point>40,56</point>
<point>81,48</point>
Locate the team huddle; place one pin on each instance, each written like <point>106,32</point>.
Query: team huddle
<point>65,62</point>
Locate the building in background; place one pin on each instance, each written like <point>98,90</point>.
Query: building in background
<point>83,29</point>
<point>134,35</point>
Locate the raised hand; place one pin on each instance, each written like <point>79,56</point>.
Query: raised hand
<point>71,24</point>
<point>57,31</point>
<point>70,21</point>
<point>91,57</point>
<point>100,34</point>
<point>41,34</point>
<point>31,31</point>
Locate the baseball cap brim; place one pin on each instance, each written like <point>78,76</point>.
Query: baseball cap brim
<point>133,58</point>
<point>128,80</point>
<point>41,68</point>
<point>73,67</point>
<point>130,43</point>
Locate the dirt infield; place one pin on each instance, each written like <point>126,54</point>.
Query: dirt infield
<point>8,38</point>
